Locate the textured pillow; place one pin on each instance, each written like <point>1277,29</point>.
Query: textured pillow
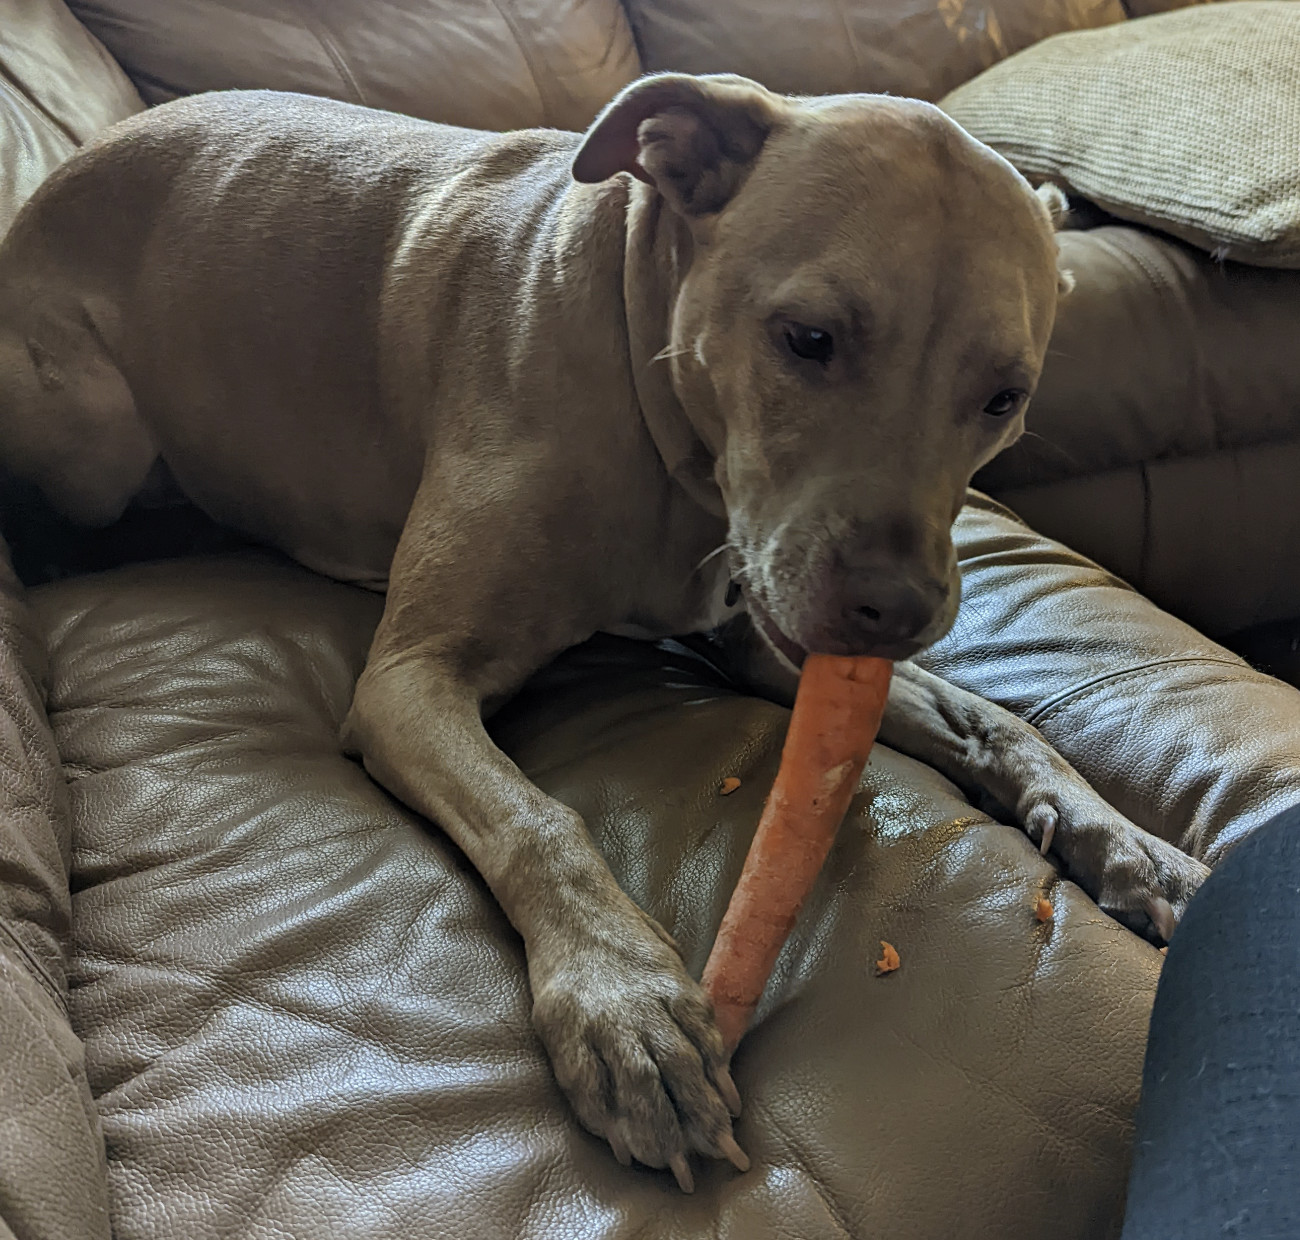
<point>1188,122</point>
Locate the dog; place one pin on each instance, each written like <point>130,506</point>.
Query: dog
<point>725,362</point>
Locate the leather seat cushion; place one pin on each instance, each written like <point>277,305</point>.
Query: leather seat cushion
<point>305,1016</point>
<point>303,1011</point>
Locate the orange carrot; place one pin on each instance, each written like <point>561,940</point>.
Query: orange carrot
<point>837,711</point>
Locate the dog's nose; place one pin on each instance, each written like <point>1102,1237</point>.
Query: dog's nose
<point>890,608</point>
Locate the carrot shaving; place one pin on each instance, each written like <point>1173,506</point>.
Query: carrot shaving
<point>888,961</point>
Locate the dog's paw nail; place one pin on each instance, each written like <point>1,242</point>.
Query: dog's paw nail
<point>1049,833</point>
<point>1162,916</point>
<point>734,1154</point>
<point>727,1088</point>
<point>681,1169</point>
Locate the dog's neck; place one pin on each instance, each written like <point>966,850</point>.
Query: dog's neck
<point>659,249</point>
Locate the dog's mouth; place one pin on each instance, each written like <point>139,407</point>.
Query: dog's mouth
<point>786,647</point>
<point>793,653</point>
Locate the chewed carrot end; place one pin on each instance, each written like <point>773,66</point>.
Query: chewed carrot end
<point>1043,909</point>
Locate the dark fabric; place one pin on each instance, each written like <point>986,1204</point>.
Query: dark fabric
<point>1218,1127</point>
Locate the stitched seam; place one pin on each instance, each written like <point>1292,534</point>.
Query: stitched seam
<point>848,37</point>
<point>1137,669</point>
<point>321,33</point>
<point>526,54</point>
<point>38,970</point>
<point>14,87</point>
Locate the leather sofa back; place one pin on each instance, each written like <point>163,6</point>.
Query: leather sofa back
<point>922,48</point>
<point>502,64</point>
<point>507,64</point>
<point>58,87</point>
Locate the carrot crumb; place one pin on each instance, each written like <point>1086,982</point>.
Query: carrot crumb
<point>888,961</point>
<point>729,785</point>
<point>1043,909</point>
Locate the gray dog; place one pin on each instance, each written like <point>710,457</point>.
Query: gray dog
<point>727,351</point>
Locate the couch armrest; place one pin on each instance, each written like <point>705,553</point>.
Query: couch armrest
<point>1175,731</point>
<point>52,1174</point>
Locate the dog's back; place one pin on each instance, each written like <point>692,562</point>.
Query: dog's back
<point>206,282</point>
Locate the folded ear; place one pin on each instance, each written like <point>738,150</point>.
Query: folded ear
<point>1058,208</point>
<point>693,138</point>
<point>1054,199</point>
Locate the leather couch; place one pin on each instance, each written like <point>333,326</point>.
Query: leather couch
<point>244,993</point>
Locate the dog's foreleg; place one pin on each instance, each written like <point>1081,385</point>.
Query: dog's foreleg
<point>630,1034</point>
<point>1004,764</point>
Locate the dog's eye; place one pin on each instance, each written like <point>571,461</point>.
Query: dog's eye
<point>1005,402</point>
<point>810,343</point>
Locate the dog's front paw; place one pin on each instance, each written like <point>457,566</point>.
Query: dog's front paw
<point>1136,877</point>
<point>634,1047</point>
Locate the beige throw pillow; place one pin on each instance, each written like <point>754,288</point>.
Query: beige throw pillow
<point>1188,122</point>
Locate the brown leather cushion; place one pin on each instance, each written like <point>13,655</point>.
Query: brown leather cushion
<point>1158,352</point>
<point>58,88</point>
<point>304,1015</point>
<point>906,47</point>
<point>1165,436</point>
<point>1174,730</point>
<point>485,65</point>
<point>51,1151</point>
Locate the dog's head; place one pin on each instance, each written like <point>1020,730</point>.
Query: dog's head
<point>860,327</point>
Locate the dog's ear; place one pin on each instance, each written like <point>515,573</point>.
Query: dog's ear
<point>1057,204</point>
<point>692,138</point>
<point>1058,209</point>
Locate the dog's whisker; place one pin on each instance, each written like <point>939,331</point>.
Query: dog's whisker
<point>713,555</point>
<point>667,352</point>
<point>1052,446</point>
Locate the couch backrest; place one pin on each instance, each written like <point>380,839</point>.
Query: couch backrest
<point>922,48</point>
<point>487,64</point>
<point>501,64</point>
<point>58,87</point>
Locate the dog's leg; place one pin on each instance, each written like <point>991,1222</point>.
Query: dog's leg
<point>630,1033</point>
<point>1004,765</point>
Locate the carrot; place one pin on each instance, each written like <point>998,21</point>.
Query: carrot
<point>837,711</point>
